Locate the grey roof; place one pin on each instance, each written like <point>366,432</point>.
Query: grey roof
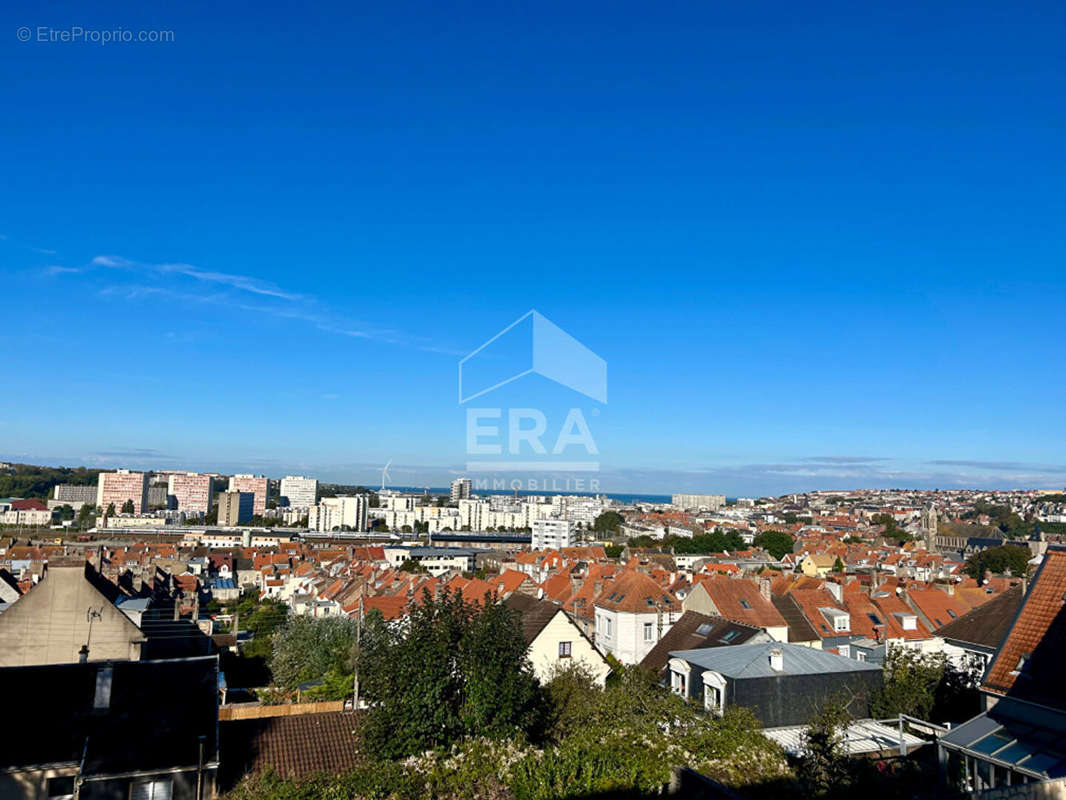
<point>753,660</point>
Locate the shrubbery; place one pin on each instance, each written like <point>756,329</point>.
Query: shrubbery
<point>455,713</point>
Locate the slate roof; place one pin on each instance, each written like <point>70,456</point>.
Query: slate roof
<point>753,660</point>
<point>695,631</point>
<point>986,625</point>
<point>292,746</point>
<point>1030,662</point>
<point>799,627</point>
<point>155,715</point>
<point>535,614</point>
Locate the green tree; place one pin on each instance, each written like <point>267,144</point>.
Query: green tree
<point>824,769</point>
<point>86,516</point>
<point>927,686</point>
<point>128,507</point>
<point>609,522</point>
<point>776,543</point>
<point>838,565</point>
<point>308,649</point>
<point>111,509</point>
<point>998,560</point>
<point>451,668</point>
<point>613,550</point>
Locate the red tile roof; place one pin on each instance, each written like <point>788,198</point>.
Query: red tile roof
<point>1029,664</point>
<point>635,592</point>
<point>740,600</point>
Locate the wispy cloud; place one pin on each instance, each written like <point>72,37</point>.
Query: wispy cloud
<point>243,282</point>
<point>134,453</point>
<point>846,459</point>
<point>1009,466</point>
<point>269,299</point>
<point>58,270</point>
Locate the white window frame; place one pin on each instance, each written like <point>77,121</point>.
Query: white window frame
<point>157,788</point>
<point>649,632</point>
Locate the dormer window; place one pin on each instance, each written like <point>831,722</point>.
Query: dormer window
<point>909,622</point>
<point>840,620</point>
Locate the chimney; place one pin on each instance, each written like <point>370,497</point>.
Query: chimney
<point>597,588</point>
<point>836,590</point>
<point>777,660</point>
<point>764,588</point>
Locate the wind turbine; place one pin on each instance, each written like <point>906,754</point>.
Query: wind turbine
<point>385,474</point>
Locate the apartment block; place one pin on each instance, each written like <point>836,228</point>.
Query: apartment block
<point>118,487</point>
<point>298,491</point>
<point>551,534</point>
<point>75,496</point>
<point>235,508</point>
<point>461,489</point>
<point>190,491</point>
<point>338,513</point>
<point>698,502</point>
<point>259,487</point>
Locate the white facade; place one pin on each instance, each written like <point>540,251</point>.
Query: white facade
<point>628,636</point>
<point>337,513</point>
<point>551,534</point>
<point>461,489</point>
<point>435,560</point>
<point>472,514</point>
<point>300,492</point>
<point>29,517</point>
<point>707,502</point>
<point>561,643</point>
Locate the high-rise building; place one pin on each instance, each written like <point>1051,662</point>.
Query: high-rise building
<point>76,496</point>
<point>258,485</point>
<point>461,489</point>
<point>551,534</point>
<point>122,486</point>
<point>472,514</point>
<point>298,491</point>
<point>698,502</point>
<point>157,496</point>
<point>235,507</point>
<point>338,513</point>
<point>190,491</point>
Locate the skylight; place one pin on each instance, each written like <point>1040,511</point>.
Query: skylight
<point>704,629</point>
<point>745,604</point>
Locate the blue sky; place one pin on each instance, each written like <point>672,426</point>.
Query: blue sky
<point>817,248</point>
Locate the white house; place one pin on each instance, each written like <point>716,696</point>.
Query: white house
<point>632,614</point>
<point>554,641</point>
